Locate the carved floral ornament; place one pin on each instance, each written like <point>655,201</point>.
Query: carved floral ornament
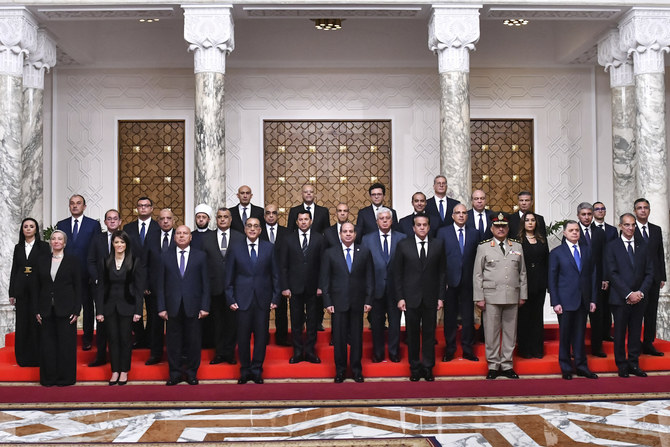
<point>210,33</point>
<point>18,38</point>
<point>452,33</point>
<point>645,34</point>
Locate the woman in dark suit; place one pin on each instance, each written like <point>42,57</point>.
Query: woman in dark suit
<point>26,253</point>
<point>56,307</point>
<point>530,336</point>
<point>119,302</point>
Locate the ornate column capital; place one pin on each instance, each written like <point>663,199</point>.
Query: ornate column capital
<point>645,33</point>
<point>453,32</point>
<point>40,60</point>
<point>18,37</point>
<point>615,60</point>
<point>210,33</point>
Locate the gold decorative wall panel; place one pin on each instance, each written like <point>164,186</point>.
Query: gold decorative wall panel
<point>151,163</point>
<point>502,160</point>
<point>341,158</point>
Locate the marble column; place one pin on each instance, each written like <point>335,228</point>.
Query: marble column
<point>209,31</point>
<point>645,34</point>
<point>18,36</point>
<point>453,32</point>
<point>622,85</point>
<point>32,159</point>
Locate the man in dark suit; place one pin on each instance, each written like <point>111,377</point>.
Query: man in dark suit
<point>144,233</point>
<point>216,245</point>
<point>347,282</point>
<point>332,233</point>
<point>382,246</point>
<point>276,234</point>
<point>203,214</point>
<point>406,224</point>
<point>300,261</point>
<point>252,290</point>
<point>611,233</point>
<point>594,238</point>
<point>599,213</point>
<point>419,275</point>
<point>653,236</point>
<point>320,214</point>
<point>440,205</point>
<point>97,254</point>
<point>80,230</point>
<point>573,291</point>
<point>183,300</point>
<point>479,217</point>
<point>244,209</point>
<point>366,221</point>
<point>460,247</point>
<point>631,276</point>
<point>525,204</point>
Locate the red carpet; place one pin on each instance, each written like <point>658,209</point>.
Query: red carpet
<point>277,366</point>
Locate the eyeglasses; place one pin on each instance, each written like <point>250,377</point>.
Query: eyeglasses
<point>144,205</point>
<point>600,209</point>
<point>271,212</point>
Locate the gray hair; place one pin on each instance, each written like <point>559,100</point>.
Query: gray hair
<point>584,206</point>
<point>384,210</point>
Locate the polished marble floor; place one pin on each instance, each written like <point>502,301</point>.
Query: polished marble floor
<point>604,423</point>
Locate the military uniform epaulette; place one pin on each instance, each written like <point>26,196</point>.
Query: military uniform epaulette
<point>514,240</point>
<point>487,240</point>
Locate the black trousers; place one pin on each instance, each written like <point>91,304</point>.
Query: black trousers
<point>281,320</point>
<point>252,321</point>
<point>603,306</point>
<point>628,318</point>
<point>421,322</point>
<point>184,340</point>
<point>155,327</point>
<point>88,314</point>
<point>381,308</point>
<point>530,326</point>
<point>348,326</point>
<point>571,333</point>
<point>303,312</point>
<point>27,337</point>
<point>119,332</point>
<point>58,359</point>
<point>225,327</point>
<point>459,302</point>
<point>650,314</point>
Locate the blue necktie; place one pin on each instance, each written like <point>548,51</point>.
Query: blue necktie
<point>75,230</point>
<point>587,236</point>
<point>578,259</point>
<point>143,232</point>
<point>166,243</point>
<point>253,255</point>
<point>461,241</point>
<point>182,263</point>
<point>631,254</point>
<point>348,258</point>
<point>481,226</point>
<point>645,235</point>
<point>442,209</point>
<point>304,242</point>
<point>244,215</point>
<point>386,248</point>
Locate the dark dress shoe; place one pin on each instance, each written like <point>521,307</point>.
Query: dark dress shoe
<point>376,359</point>
<point>608,338</point>
<point>428,375</point>
<point>230,360</point>
<point>113,382</point>
<point>216,360</point>
<point>394,358</point>
<point>567,376</point>
<point>339,378</point>
<point>448,357</point>
<point>586,373</point>
<point>358,378</point>
<point>623,373</point>
<point>295,359</point>
<point>152,361</point>
<point>492,374</point>
<point>312,358</point>
<point>122,382</point>
<point>600,354</point>
<point>192,381</point>
<point>86,347</point>
<point>242,380</point>
<point>509,373</point>
<point>282,343</point>
<point>258,379</point>
<point>415,377</point>
<point>97,362</point>
<point>637,372</point>
<point>471,357</point>
<point>649,350</point>
<point>173,381</point>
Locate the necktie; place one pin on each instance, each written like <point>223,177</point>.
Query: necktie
<point>272,234</point>
<point>481,225</point>
<point>422,253</point>
<point>253,255</point>
<point>182,263</point>
<point>309,208</point>
<point>143,232</point>
<point>631,254</point>
<point>386,248</point>
<point>244,215</point>
<point>224,243</point>
<point>166,243</point>
<point>502,247</point>
<point>587,236</point>
<point>601,226</point>
<point>75,230</point>
<point>645,235</point>
<point>461,239</point>
<point>578,259</point>
<point>109,242</point>
<point>304,242</point>
<point>348,258</point>
<point>442,209</point>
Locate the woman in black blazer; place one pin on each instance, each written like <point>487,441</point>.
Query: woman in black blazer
<point>119,301</point>
<point>530,333</point>
<point>26,253</point>
<point>56,307</point>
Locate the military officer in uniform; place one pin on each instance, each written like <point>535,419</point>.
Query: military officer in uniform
<point>499,283</point>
